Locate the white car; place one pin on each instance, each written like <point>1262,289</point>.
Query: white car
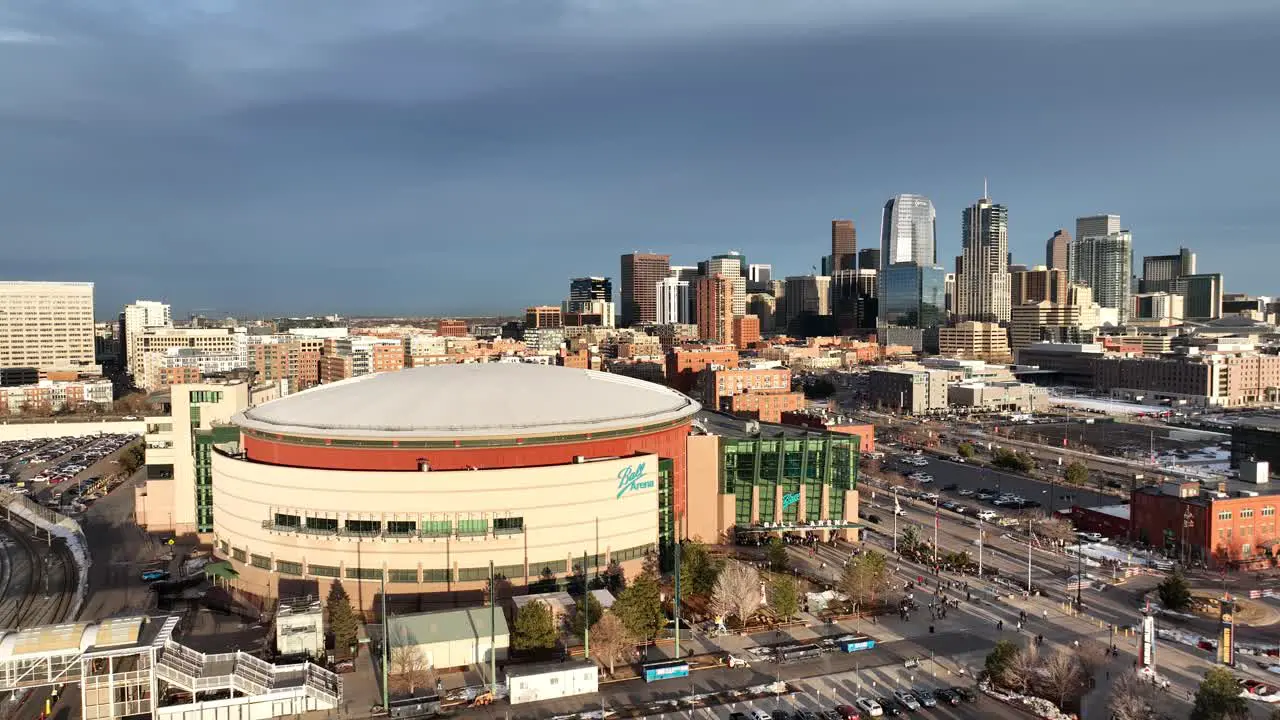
<point>907,699</point>
<point>869,706</point>
<point>987,515</point>
<point>760,715</point>
<point>966,493</point>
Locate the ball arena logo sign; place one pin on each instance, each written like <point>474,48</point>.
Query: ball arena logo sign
<point>790,499</point>
<point>631,478</point>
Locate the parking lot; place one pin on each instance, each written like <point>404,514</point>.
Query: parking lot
<point>61,472</point>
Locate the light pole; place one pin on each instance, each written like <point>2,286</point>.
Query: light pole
<point>937,571</point>
<point>1079,572</point>
<point>895,519</point>
<point>1030,537</point>
<point>980,543</point>
<point>1187,523</point>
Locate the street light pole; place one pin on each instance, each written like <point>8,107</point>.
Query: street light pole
<point>895,519</point>
<point>1030,537</point>
<point>1079,572</point>
<point>980,544</point>
<point>937,571</point>
<point>1187,523</point>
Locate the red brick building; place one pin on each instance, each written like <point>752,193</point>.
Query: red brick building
<point>1223,528</point>
<point>452,328</point>
<point>684,364</point>
<point>865,432</point>
<point>746,331</point>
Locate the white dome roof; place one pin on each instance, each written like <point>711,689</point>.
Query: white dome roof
<point>473,400</point>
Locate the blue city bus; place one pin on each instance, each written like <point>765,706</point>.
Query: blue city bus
<point>861,642</point>
<point>665,670</point>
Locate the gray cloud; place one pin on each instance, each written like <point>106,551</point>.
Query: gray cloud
<point>328,156</point>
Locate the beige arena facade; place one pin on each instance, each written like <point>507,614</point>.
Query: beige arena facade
<point>422,478</point>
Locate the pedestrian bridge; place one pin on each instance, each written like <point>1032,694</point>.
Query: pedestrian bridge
<point>123,665</point>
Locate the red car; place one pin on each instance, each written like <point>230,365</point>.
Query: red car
<point>848,712</point>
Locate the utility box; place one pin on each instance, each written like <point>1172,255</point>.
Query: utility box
<point>547,681</point>
<point>1257,472</point>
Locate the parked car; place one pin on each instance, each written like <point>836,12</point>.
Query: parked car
<point>945,695</point>
<point>925,697</point>
<point>847,712</point>
<point>965,694</point>
<point>908,700</point>
<point>868,706</point>
<point>891,707</point>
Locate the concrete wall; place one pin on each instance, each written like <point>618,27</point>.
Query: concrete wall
<point>71,426</point>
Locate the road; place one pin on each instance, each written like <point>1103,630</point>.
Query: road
<point>120,551</point>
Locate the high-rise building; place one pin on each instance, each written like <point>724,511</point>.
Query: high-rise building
<point>907,229</point>
<point>1104,263</point>
<point>715,309</point>
<point>1159,271</point>
<point>585,289</point>
<point>1202,295</point>
<point>640,275</point>
<point>869,259</point>
<point>1037,285</point>
<point>844,300</point>
<point>134,321</point>
<point>47,325</point>
<point>758,277</point>
<point>1045,321</point>
<point>1097,225</point>
<point>1055,251</point>
<point>1157,306</point>
<point>844,246</point>
<point>805,295</point>
<point>912,296</point>
<point>765,307</point>
<point>543,316</point>
<point>733,266</point>
<point>982,280</point>
<point>675,301</point>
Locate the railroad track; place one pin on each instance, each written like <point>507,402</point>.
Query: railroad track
<point>33,570</point>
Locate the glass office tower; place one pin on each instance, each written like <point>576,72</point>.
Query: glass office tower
<point>914,296</point>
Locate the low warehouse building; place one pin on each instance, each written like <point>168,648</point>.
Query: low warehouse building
<point>453,638</point>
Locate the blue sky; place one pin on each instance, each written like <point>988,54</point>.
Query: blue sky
<point>417,156</point>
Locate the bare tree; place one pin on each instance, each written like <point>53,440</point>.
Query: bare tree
<point>409,667</point>
<point>1062,676</point>
<point>1130,698</point>
<point>1092,656</point>
<point>1021,671</point>
<point>610,641</point>
<point>737,591</point>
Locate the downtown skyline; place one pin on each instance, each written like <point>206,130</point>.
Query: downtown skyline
<point>309,174</point>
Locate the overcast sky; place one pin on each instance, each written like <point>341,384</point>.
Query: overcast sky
<point>469,156</point>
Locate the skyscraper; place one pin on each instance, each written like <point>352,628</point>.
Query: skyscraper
<point>1159,271</point>
<point>1104,263</point>
<point>640,275</point>
<point>907,229</point>
<point>675,301</point>
<point>913,296</point>
<point>1202,295</point>
<point>1055,251</point>
<point>982,280</point>
<point>758,277</point>
<point>804,295</point>
<point>590,288</point>
<point>134,321</point>
<point>715,309</point>
<point>1039,284</point>
<point>733,266</point>
<point>869,259</point>
<point>1097,225</point>
<point>844,246</point>
<point>47,325</point>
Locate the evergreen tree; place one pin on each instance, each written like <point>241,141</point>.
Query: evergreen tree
<point>698,569</point>
<point>777,555</point>
<point>342,619</point>
<point>1219,697</point>
<point>784,598</point>
<point>1174,593</point>
<point>592,615</point>
<point>640,607</point>
<point>534,629</point>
